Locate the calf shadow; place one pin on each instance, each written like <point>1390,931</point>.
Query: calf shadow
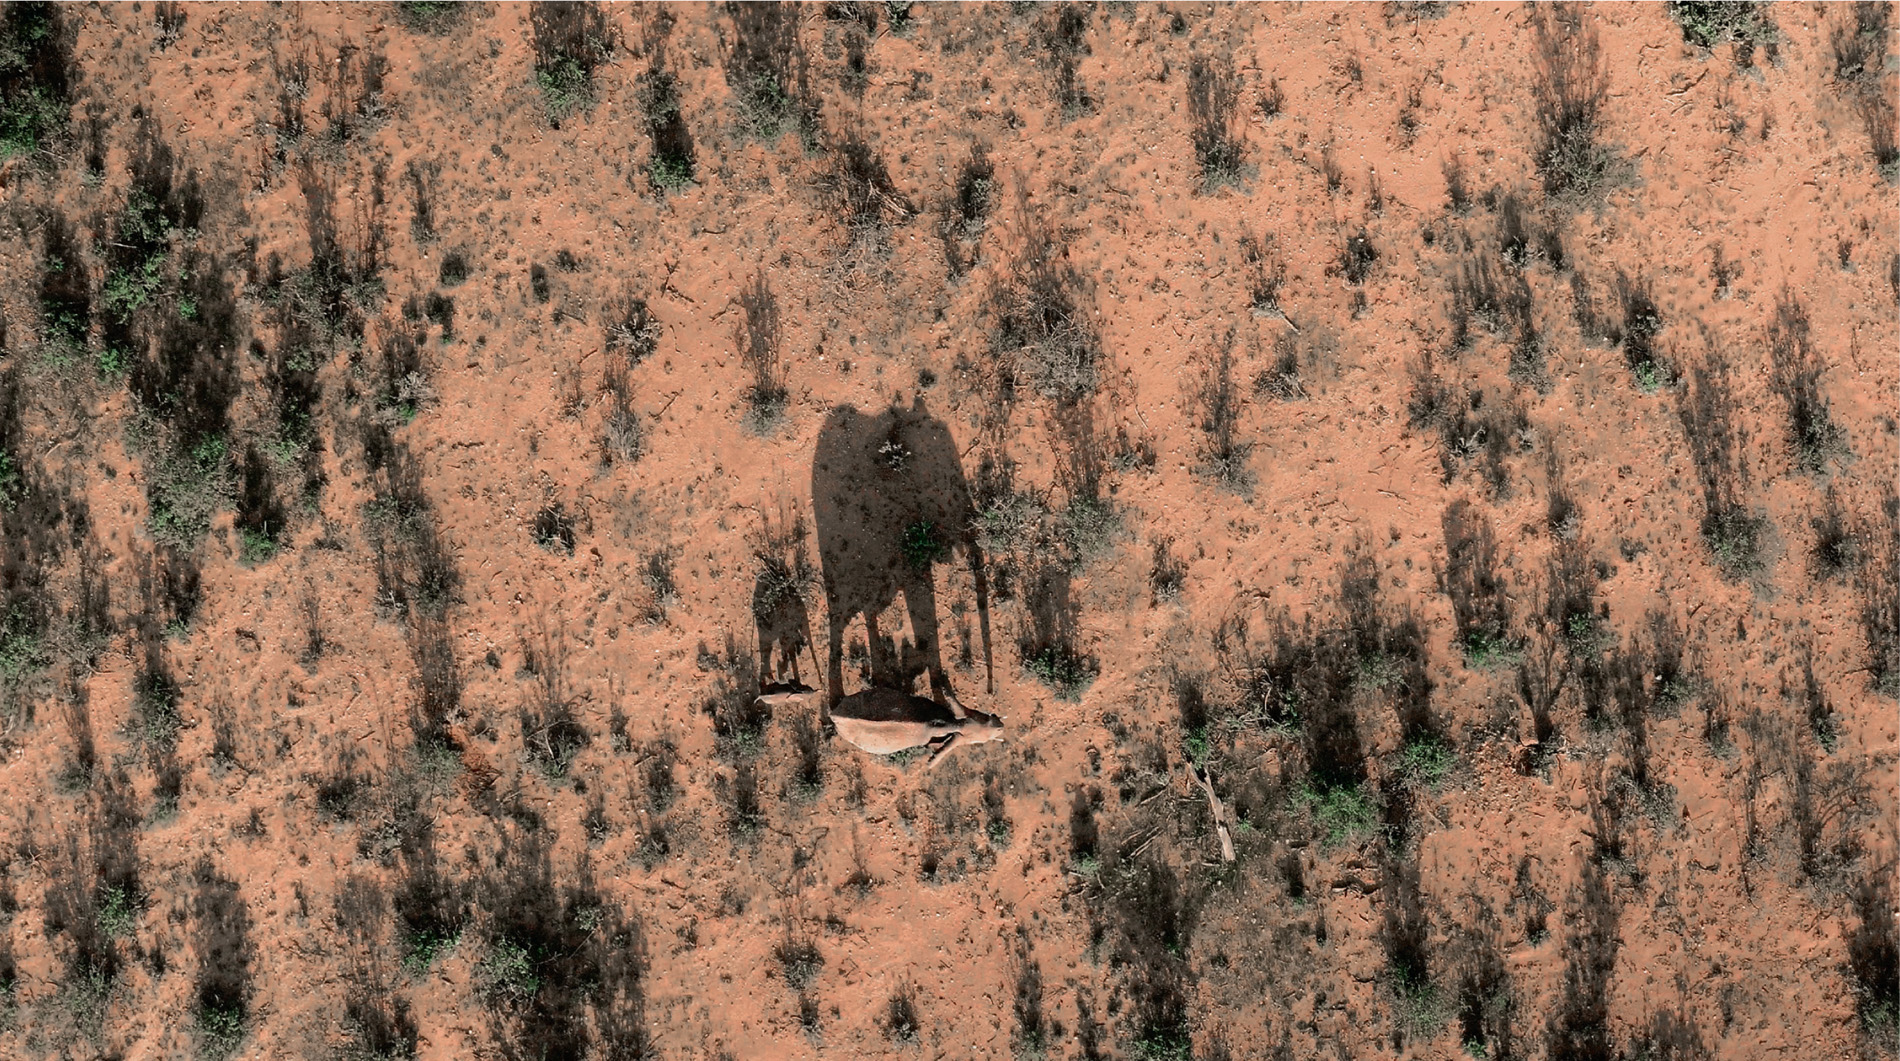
<point>890,500</point>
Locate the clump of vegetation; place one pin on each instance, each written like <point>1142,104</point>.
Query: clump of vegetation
<point>966,214</point>
<point>1065,39</point>
<point>923,545</point>
<point>1358,258</point>
<point>35,79</point>
<point>1873,963</point>
<point>553,528</point>
<point>1224,454</point>
<point>656,576</point>
<point>867,199</point>
<point>672,166</point>
<point>799,961</point>
<point>225,954</point>
<point>1575,163</point>
<point>1642,323</point>
<point>1213,102</point>
<point>757,336</point>
<point>900,1016</point>
<point>551,732</point>
<point>738,716</point>
<point>571,39</point>
<point>1480,598</point>
<point>1813,436</point>
<point>1421,1008</point>
<point>1706,24</point>
<point>430,16</point>
<point>565,972</point>
<point>1877,583</point>
<point>766,69</point>
<point>140,248</point>
<point>1266,271</point>
<point>1472,430</point>
<point>1045,338</point>
<point>1062,669</point>
<point>1860,44</point>
<point>1735,534</point>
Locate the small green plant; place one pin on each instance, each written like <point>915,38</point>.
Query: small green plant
<point>155,704</point>
<point>670,173</point>
<point>1585,633</point>
<point>28,121</point>
<point>767,111</point>
<point>34,108</point>
<point>20,645</point>
<point>118,911</point>
<point>1062,669</point>
<point>186,490</point>
<point>1421,1009</point>
<point>922,546</point>
<point>799,961</point>
<point>220,1030</point>
<point>11,487</point>
<point>1488,648</point>
<point>508,972</point>
<point>1650,376</point>
<point>256,546</point>
<point>1377,672</point>
<point>1706,24</point>
<point>1735,540</point>
<point>422,947</point>
<point>1195,744</point>
<point>429,16</point>
<point>112,361</point>
<point>1340,812</point>
<point>1426,761</point>
<point>143,235</point>
<point>1089,528</point>
<point>567,89</point>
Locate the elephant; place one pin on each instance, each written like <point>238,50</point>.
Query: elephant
<point>889,499</point>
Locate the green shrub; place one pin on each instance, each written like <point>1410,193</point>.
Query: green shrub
<point>1706,24</point>
<point>220,1031</point>
<point>144,232</point>
<point>11,487</point>
<point>1062,669</point>
<point>430,16</point>
<point>922,546</point>
<point>34,74</point>
<point>566,89</point>
<point>670,173</point>
<point>1426,761</point>
<point>21,646</point>
<point>186,490</point>
<point>423,946</point>
<point>508,972</point>
<point>118,911</point>
<point>1340,812</point>
<point>1735,539</point>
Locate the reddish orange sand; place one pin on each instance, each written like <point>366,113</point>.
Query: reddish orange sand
<point>1718,934</point>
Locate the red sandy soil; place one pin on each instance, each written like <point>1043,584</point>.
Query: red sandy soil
<point>1725,902</point>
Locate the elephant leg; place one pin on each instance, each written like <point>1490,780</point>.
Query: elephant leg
<point>937,755</point>
<point>920,597</point>
<point>834,656</point>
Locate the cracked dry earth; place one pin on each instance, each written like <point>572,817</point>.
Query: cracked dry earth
<point>1416,482</point>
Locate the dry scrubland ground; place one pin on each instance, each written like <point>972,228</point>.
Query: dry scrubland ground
<point>1468,432</point>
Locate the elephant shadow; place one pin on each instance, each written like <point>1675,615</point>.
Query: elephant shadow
<point>890,500</point>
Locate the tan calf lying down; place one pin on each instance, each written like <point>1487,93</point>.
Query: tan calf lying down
<point>886,721</point>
